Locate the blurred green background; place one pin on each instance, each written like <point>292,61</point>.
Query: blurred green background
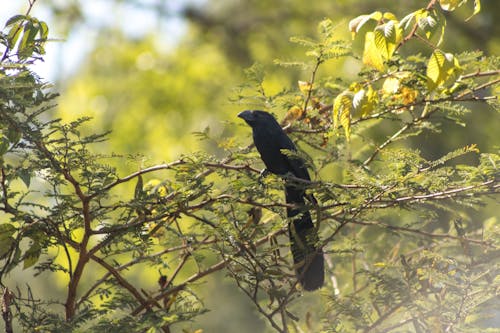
<point>153,72</point>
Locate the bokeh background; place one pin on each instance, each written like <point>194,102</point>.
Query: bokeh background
<point>155,71</point>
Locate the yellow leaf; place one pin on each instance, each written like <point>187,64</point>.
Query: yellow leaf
<point>356,24</point>
<point>393,36</point>
<point>342,108</point>
<point>156,186</point>
<point>407,21</point>
<point>364,101</point>
<point>431,22</point>
<point>371,54</point>
<point>450,5</point>
<point>381,43</point>
<point>441,68</point>
<point>390,16</point>
<point>409,95</point>
<point>359,99</point>
<point>360,26</point>
<point>372,100</point>
<point>355,87</point>
<point>381,37</point>
<point>390,86</point>
<point>293,114</point>
<point>305,87</point>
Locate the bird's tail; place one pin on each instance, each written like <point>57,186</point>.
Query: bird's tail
<point>307,255</point>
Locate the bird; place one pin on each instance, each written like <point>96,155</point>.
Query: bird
<point>272,143</point>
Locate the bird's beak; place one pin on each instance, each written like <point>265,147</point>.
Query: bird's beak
<point>246,115</point>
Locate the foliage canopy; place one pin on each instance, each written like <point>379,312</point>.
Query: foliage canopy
<point>408,242</point>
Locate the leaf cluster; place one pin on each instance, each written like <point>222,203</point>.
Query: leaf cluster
<point>405,246</point>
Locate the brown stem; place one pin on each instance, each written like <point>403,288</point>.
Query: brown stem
<point>414,29</point>
<point>421,232</point>
<point>108,274</point>
<point>5,302</point>
<point>319,61</point>
<point>214,268</point>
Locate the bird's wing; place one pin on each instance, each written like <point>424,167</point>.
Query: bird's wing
<point>296,164</point>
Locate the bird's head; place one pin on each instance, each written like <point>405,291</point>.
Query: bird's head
<point>256,117</point>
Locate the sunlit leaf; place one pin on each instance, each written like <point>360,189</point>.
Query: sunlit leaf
<point>356,24</point>
<point>371,54</point>
<point>305,87</point>
<point>450,5</point>
<point>408,95</point>
<point>390,86</point>
<point>388,42</point>
<point>389,16</point>
<point>364,101</point>
<point>406,22</point>
<point>360,26</point>
<point>440,68</point>
<point>342,108</point>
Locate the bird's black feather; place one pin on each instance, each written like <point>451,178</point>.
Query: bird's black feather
<point>272,143</point>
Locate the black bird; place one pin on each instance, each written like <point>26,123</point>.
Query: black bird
<point>270,140</point>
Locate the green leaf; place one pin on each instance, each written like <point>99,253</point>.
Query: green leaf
<point>7,230</point>
<point>440,27</point>
<point>6,239</point>
<point>139,191</point>
<point>6,244</point>
<point>44,30</point>
<point>14,34</point>
<point>27,44</point>
<point>14,19</point>
<point>477,9</point>
<point>32,255</point>
<point>255,73</point>
<point>4,145</point>
<point>13,135</point>
<point>25,176</point>
<point>454,154</point>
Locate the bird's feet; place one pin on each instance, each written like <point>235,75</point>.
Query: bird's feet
<point>264,173</point>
